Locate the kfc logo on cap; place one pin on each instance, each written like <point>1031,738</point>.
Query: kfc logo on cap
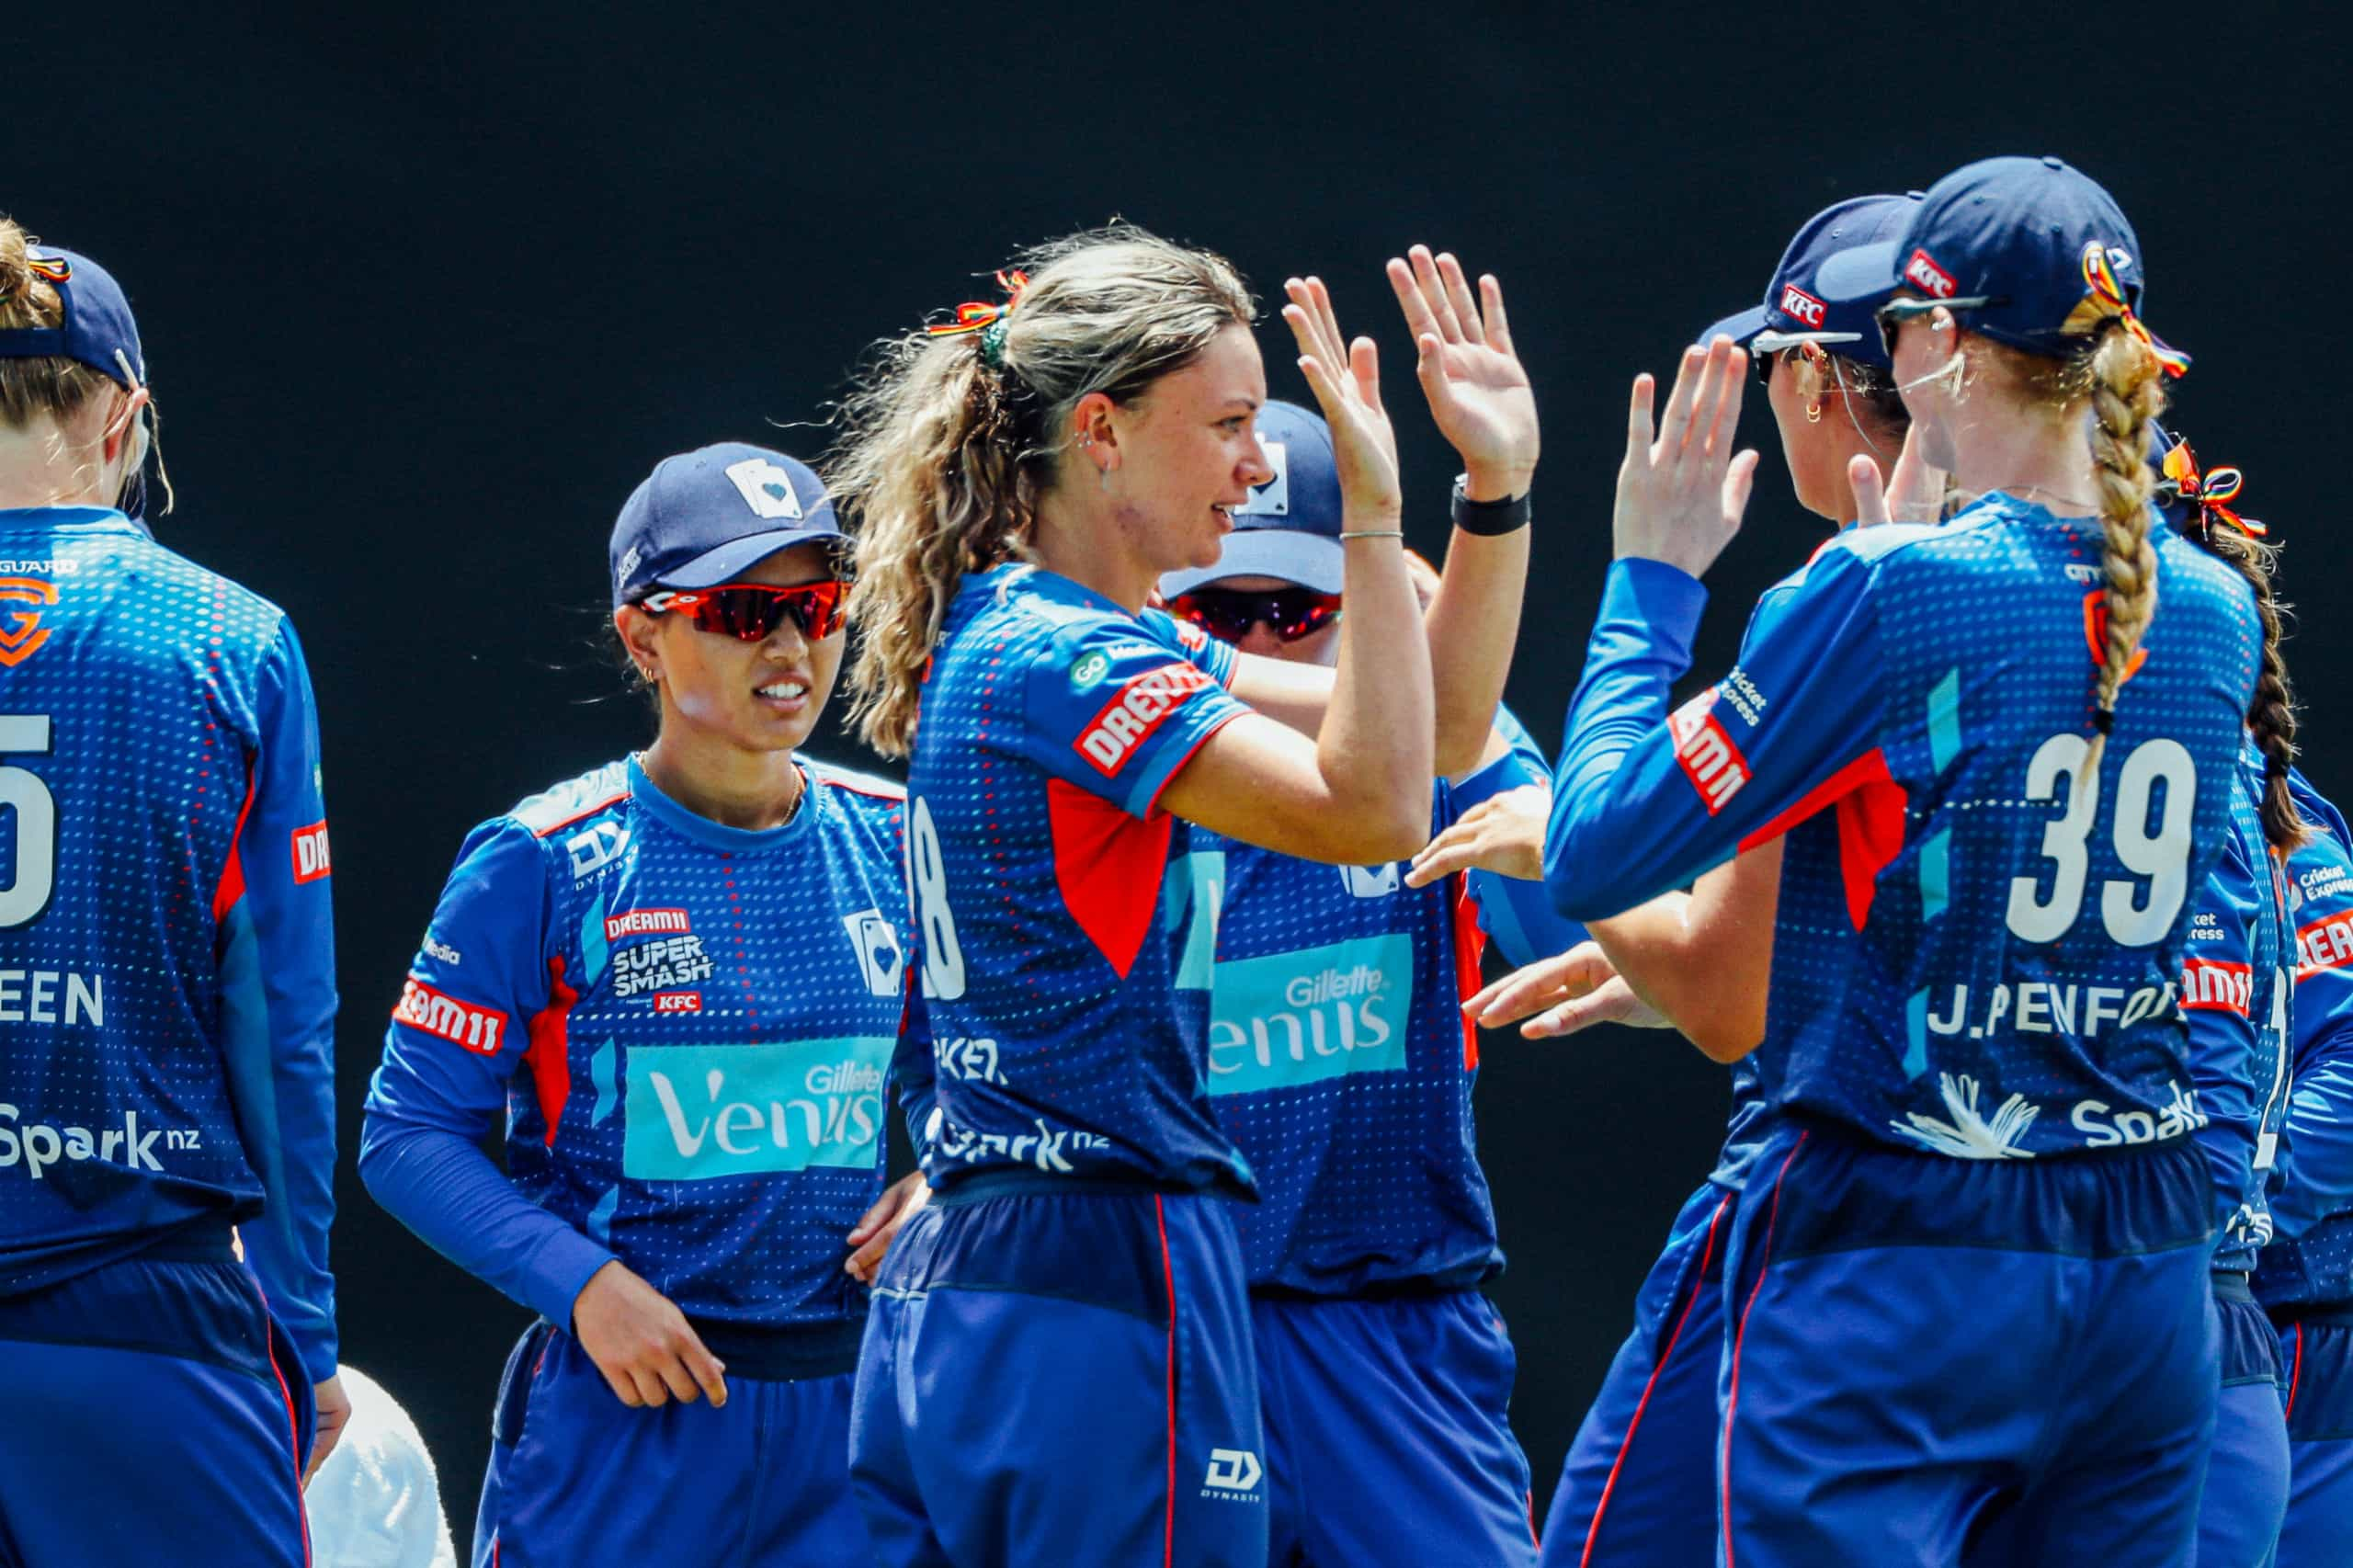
<point>1804,307</point>
<point>1923,273</point>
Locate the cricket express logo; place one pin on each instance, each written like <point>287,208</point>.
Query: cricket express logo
<point>699,1111</point>
<point>22,633</point>
<point>1144,704</point>
<point>1709,759</point>
<point>1797,303</point>
<point>478,1030</point>
<point>1305,1016</point>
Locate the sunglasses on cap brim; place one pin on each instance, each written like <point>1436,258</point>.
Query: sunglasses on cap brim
<point>1892,316</point>
<point>1765,347</point>
<point>1228,614</point>
<point>751,612</point>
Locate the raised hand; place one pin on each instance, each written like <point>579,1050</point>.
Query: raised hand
<point>1345,379</point>
<point>1913,492</point>
<point>1682,488</point>
<point>1504,834</point>
<point>1563,995</point>
<point>1478,392</point>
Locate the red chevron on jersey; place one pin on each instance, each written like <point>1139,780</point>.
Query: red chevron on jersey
<point>461,1023</point>
<point>1709,759</point>
<point>1144,704</point>
<point>2217,987</point>
<point>2324,944</point>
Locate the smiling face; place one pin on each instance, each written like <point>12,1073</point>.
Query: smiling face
<point>751,697</point>
<point>1182,455</point>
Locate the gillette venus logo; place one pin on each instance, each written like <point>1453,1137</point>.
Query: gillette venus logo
<point>699,1111</point>
<point>1304,1016</point>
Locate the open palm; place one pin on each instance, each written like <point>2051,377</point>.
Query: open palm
<point>1346,380</point>
<point>1477,391</point>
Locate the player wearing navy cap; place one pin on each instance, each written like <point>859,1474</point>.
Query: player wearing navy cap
<point>679,977</point>
<point>1021,488</point>
<point>1970,1273</point>
<point>1342,1068</point>
<point>167,981</point>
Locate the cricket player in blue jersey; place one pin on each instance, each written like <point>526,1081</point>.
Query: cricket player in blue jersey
<point>1971,1271</point>
<point>1022,483</point>
<point>1342,1068</point>
<point>679,976</point>
<point>1646,1448</point>
<point>2304,1278</point>
<point>166,984</point>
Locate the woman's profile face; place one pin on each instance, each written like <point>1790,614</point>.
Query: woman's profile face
<point>757,696</point>
<point>1188,454</point>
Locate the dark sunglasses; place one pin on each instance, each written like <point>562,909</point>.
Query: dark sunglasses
<point>1892,316</point>
<point>1228,614</point>
<point>752,611</point>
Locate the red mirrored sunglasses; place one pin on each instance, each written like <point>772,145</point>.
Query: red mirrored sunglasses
<point>752,611</point>
<point>1228,614</point>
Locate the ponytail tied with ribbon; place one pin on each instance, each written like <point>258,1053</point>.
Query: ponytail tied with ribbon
<point>50,269</point>
<point>989,321</point>
<point>2209,493</point>
<point>2100,279</point>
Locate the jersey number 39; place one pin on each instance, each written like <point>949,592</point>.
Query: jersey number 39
<point>2162,856</point>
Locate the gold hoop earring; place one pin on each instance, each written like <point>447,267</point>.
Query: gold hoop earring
<point>1814,414</point>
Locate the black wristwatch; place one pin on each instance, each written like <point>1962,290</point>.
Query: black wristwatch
<point>1488,517</point>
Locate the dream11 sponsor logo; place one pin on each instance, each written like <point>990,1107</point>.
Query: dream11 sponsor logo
<point>1144,704</point>
<point>1709,758</point>
<point>310,858</point>
<point>478,1030</point>
<point>1304,1016</point>
<point>699,1111</point>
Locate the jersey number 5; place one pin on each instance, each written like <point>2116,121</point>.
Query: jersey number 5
<point>943,958</point>
<point>35,871</point>
<point>2162,856</point>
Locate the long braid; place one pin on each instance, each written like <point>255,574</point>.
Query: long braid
<point>2126,394</point>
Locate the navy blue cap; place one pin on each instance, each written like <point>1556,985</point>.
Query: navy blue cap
<point>2015,229</point>
<point>702,517</point>
<point>1794,311</point>
<point>1291,526</point>
<point>97,329</point>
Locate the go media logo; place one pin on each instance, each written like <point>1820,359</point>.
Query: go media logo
<point>1304,1016</point>
<point>699,1111</point>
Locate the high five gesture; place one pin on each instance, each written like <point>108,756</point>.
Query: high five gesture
<point>1478,392</point>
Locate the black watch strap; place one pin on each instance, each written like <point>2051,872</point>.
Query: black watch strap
<point>1489,517</point>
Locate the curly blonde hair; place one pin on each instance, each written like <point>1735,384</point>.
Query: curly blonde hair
<point>950,441</point>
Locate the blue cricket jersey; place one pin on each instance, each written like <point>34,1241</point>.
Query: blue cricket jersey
<point>167,945</point>
<point>1341,1064</point>
<point>2234,998</point>
<point>688,1027</point>
<point>2310,1262</point>
<point>1971,956</point>
<point>1065,925</point>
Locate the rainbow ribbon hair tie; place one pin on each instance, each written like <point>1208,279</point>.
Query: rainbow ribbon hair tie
<point>2211,492</point>
<point>2100,279</point>
<point>55,268</point>
<point>988,320</point>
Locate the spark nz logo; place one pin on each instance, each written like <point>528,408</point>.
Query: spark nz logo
<point>1233,1475</point>
<point>37,1145</point>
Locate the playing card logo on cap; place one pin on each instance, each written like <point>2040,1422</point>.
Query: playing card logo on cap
<point>765,488</point>
<point>1271,499</point>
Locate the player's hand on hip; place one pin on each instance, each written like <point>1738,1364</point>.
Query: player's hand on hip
<point>1561,996</point>
<point>871,1236</point>
<point>1345,379</point>
<point>642,1343</point>
<point>1504,834</point>
<point>333,1406</point>
<point>1478,392</point>
<point>1682,488</point>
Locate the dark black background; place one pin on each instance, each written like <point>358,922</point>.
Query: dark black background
<point>426,291</point>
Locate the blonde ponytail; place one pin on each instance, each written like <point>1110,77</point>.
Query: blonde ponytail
<point>51,385</point>
<point>2128,394</point>
<point>949,441</point>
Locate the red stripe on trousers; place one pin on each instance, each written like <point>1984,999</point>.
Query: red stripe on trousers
<point>1169,1538</point>
<point>293,1426</point>
<point>1740,1337</point>
<point>1593,1533</point>
<point>2295,1373</point>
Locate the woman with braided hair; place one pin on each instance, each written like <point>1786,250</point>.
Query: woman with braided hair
<point>1988,763</point>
